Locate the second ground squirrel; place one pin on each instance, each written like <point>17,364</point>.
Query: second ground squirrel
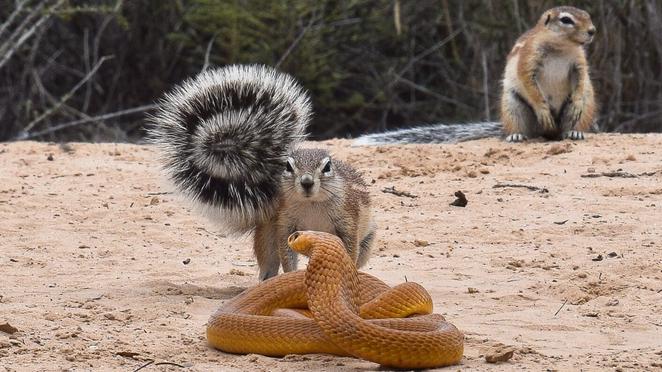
<point>546,89</point>
<point>320,194</point>
<point>546,86</point>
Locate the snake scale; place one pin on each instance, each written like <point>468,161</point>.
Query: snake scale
<point>332,308</point>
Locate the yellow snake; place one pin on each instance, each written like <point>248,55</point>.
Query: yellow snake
<point>336,310</point>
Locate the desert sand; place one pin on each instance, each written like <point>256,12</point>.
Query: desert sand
<point>102,267</point>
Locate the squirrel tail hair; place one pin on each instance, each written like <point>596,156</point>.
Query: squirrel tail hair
<point>224,137</point>
<point>439,133</point>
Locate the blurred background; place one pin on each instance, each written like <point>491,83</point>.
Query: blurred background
<point>92,70</point>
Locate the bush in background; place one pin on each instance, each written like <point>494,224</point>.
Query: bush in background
<point>90,70</point>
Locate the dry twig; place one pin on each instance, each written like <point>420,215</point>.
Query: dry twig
<point>542,190</point>
<point>392,190</point>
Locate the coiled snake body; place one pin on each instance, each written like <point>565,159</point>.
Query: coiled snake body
<point>338,311</point>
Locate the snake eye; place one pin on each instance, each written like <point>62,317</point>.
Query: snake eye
<point>567,21</point>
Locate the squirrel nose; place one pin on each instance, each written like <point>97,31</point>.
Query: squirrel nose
<point>307,181</point>
<point>591,31</point>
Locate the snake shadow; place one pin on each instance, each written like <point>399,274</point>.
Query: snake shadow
<point>168,288</point>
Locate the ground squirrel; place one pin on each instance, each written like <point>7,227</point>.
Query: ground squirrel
<point>228,141</point>
<point>546,88</point>
<point>319,194</point>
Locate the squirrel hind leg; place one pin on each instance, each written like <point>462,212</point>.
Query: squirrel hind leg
<point>365,246</point>
<point>519,121</point>
<point>266,252</point>
<point>288,258</point>
<point>574,122</point>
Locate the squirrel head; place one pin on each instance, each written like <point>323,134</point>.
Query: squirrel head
<point>572,23</point>
<point>310,174</point>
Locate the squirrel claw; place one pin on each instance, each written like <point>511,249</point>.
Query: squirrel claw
<point>546,120</point>
<point>574,135</point>
<point>516,137</point>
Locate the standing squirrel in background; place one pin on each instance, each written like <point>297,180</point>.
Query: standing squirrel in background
<point>229,142</point>
<point>547,90</point>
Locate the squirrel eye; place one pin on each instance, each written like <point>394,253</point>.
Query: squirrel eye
<point>327,167</point>
<point>567,21</point>
<point>288,167</point>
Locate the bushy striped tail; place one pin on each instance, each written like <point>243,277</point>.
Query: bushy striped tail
<point>224,137</point>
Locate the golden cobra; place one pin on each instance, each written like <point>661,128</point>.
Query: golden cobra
<point>336,310</point>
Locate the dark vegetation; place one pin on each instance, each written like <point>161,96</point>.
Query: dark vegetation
<point>91,70</point>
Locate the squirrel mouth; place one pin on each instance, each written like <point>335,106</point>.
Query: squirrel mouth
<point>307,193</point>
<point>586,41</point>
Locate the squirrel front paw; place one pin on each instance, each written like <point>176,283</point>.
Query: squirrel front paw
<point>573,135</point>
<point>546,119</point>
<point>516,137</point>
<point>574,112</point>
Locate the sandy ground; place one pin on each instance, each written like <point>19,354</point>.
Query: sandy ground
<point>102,267</point>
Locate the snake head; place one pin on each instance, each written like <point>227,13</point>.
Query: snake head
<point>304,241</point>
<point>300,242</point>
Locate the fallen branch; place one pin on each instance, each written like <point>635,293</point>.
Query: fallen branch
<point>151,361</point>
<point>159,193</point>
<point>169,364</point>
<point>392,190</point>
<point>542,190</point>
<point>617,174</point>
<point>557,311</point>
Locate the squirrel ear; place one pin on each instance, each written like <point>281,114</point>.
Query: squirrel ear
<point>327,165</point>
<point>549,17</point>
